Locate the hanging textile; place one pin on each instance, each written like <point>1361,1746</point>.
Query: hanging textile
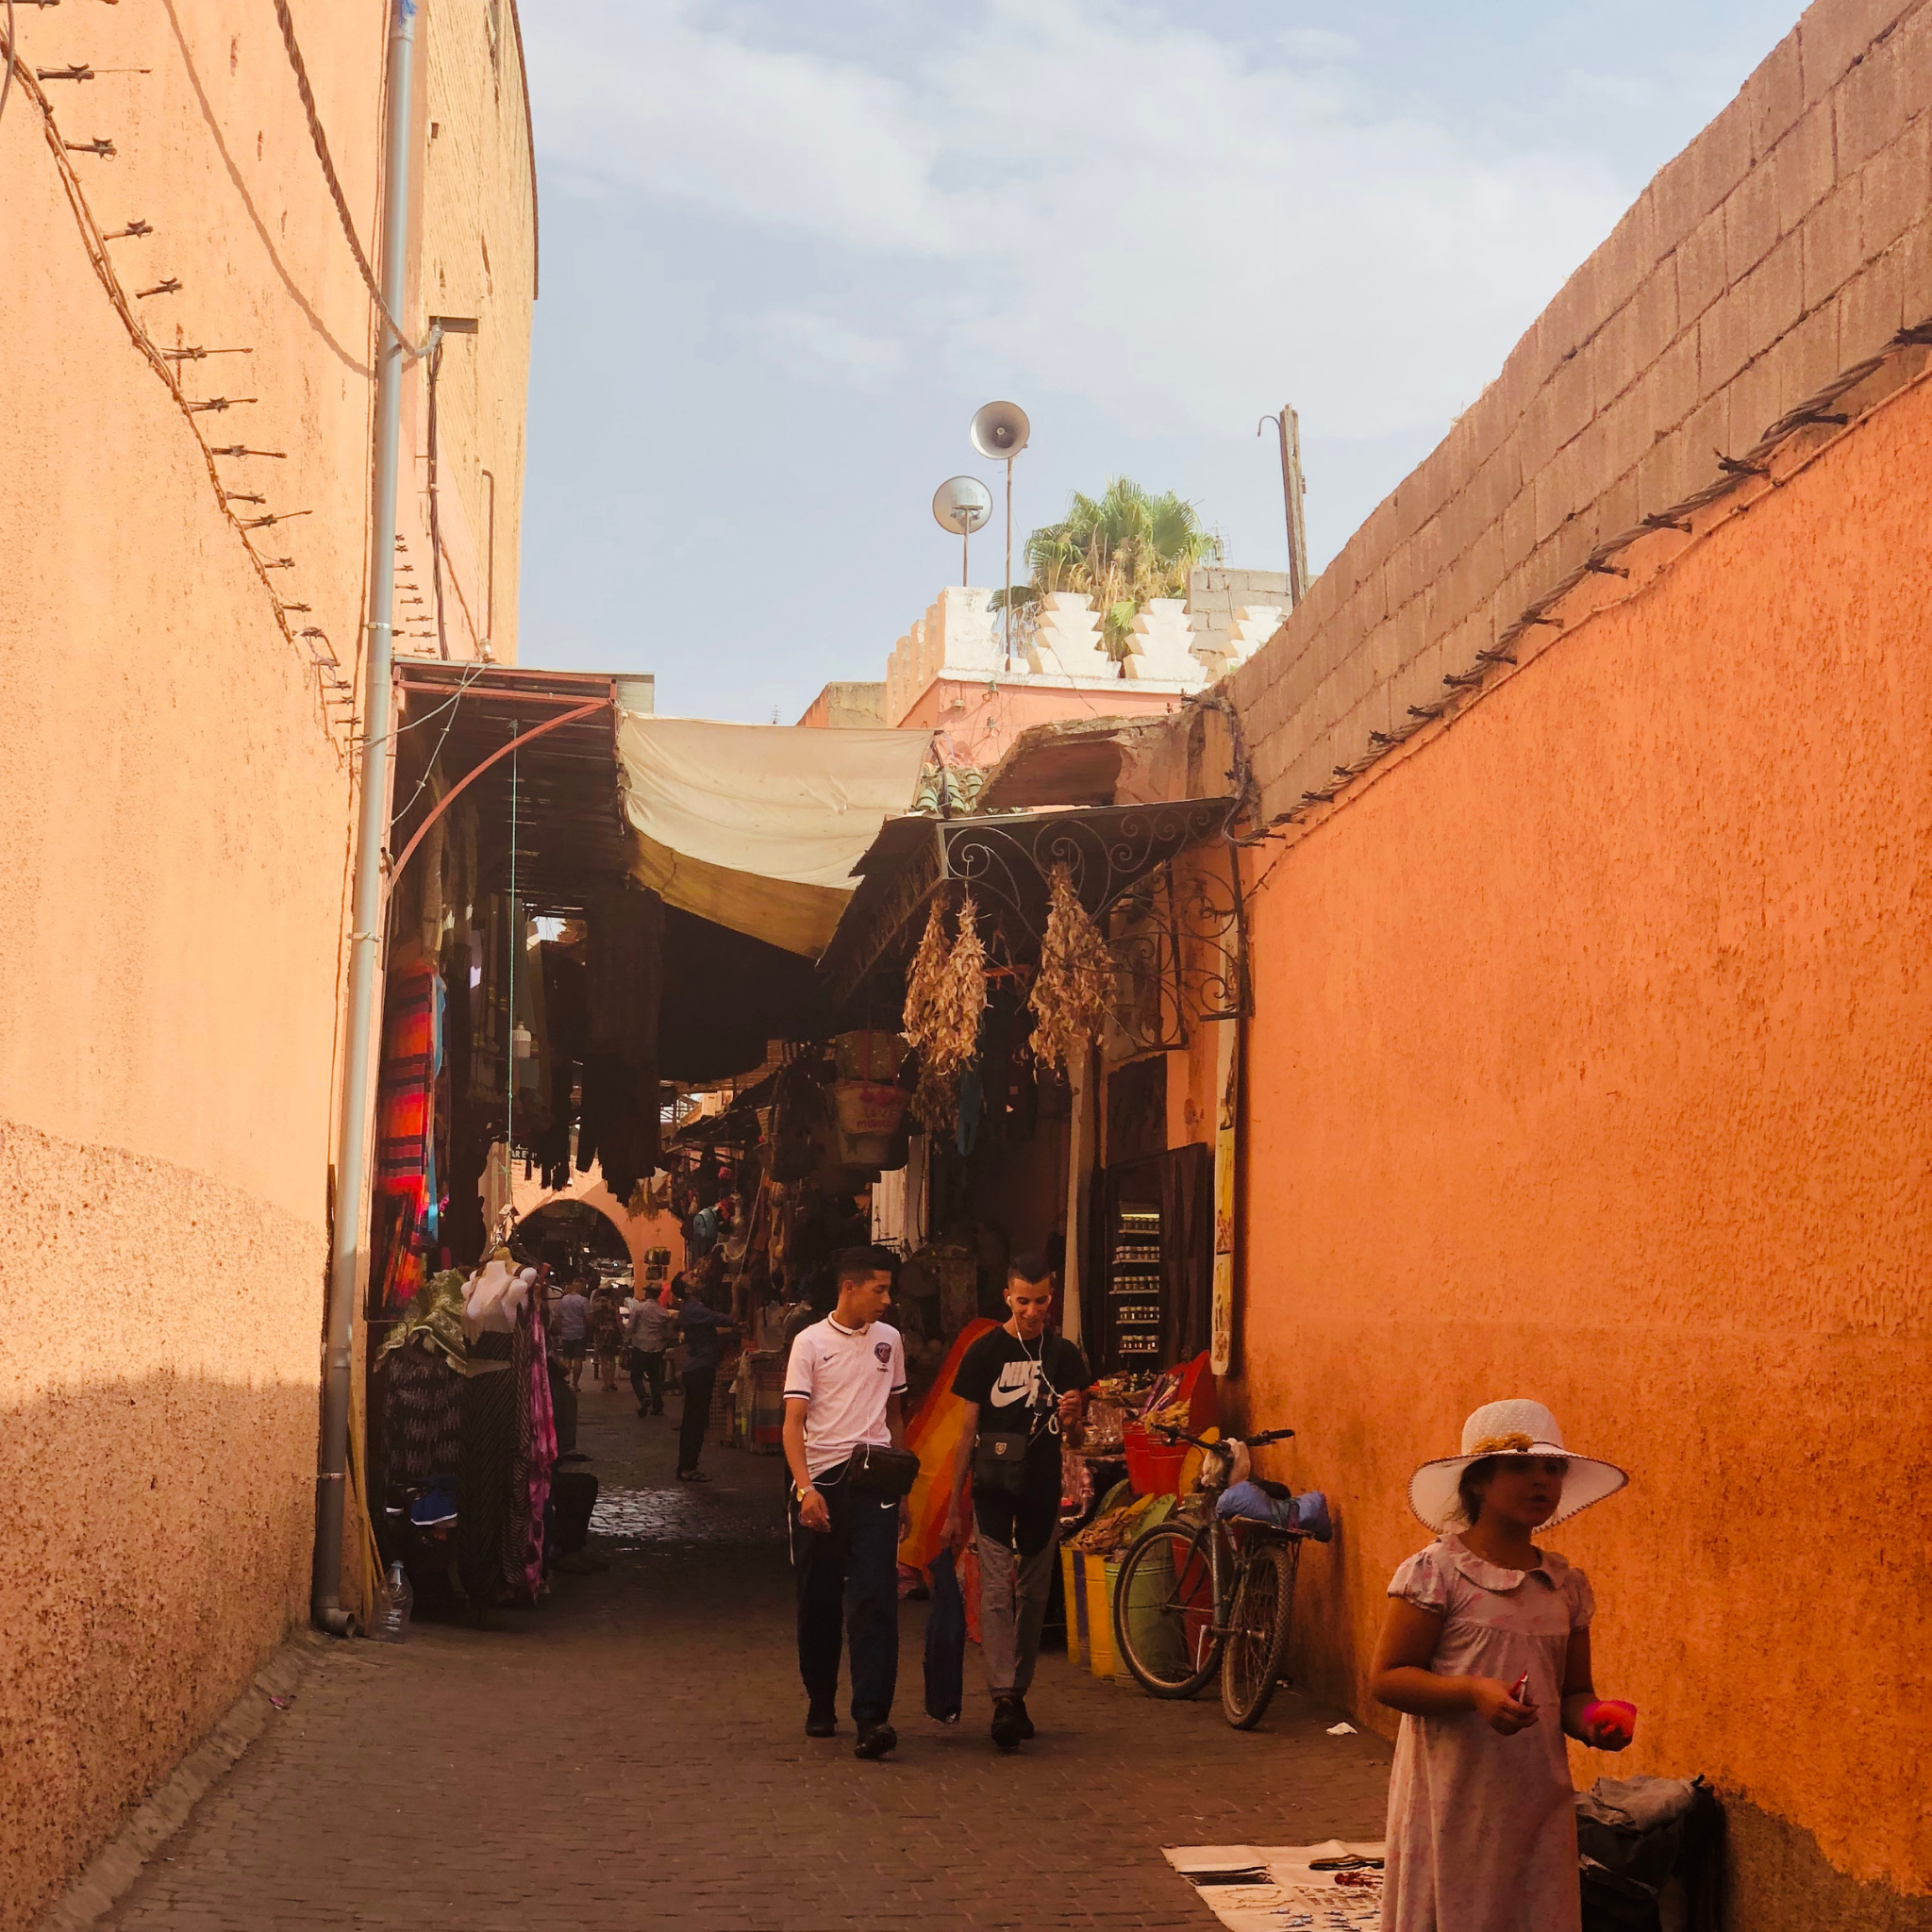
<point>622,971</point>
<point>408,1202</point>
<point>543,1446</point>
<point>490,1000</point>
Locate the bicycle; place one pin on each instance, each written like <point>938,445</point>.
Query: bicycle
<point>1200,1592</point>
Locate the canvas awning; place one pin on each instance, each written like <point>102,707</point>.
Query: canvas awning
<point>758,826</point>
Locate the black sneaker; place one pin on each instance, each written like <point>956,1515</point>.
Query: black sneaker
<point>1026,1722</point>
<point>1006,1731</point>
<point>875,1741</point>
<point>821,1723</point>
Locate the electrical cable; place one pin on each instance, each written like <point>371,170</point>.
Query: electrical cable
<point>6,83</point>
<point>335,186</point>
<point>509,1046</point>
<point>448,704</point>
<point>435,518</point>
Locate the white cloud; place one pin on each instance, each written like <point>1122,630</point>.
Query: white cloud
<point>1317,44</point>
<point>819,348</point>
<point>1081,200</point>
<point>1638,93</point>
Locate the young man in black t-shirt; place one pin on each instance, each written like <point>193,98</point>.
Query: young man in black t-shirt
<point>1024,1384</point>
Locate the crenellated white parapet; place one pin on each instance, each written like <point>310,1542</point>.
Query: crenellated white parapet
<point>1157,644</point>
<point>1171,649</point>
<point>1066,640</point>
<point>956,637</point>
<point>1253,625</point>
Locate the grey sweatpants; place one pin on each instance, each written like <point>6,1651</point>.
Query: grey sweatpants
<point>1013,1591</point>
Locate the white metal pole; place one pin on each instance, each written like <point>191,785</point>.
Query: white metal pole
<point>365,935</point>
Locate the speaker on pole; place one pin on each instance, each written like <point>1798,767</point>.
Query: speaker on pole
<point>1000,430</point>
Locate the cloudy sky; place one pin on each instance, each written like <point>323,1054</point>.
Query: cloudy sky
<point>788,251</point>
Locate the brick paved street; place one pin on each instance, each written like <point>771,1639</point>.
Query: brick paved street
<point>633,1755</point>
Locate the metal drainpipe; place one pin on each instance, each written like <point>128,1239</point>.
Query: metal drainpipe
<point>365,939</point>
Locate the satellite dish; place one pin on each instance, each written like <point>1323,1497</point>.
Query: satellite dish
<point>1000,430</point>
<point>961,505</point>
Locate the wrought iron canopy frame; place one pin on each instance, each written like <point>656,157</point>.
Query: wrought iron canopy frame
<point>1179,942</point>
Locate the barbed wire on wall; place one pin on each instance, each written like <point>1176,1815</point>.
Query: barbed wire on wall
<point>1741,482</point>
<point>311,642</point>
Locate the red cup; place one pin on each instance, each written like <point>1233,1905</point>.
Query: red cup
<point>1614,1712</point>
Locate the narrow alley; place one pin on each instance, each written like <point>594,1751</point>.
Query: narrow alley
<point>633,1754</point>
<point>955,867</point>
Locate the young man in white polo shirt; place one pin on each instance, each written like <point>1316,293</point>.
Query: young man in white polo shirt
<point>844,1389</point>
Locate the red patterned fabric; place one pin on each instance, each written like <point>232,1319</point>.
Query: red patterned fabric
<point>407,1203</point>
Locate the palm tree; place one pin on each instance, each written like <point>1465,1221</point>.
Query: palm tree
<point>1120,548</point>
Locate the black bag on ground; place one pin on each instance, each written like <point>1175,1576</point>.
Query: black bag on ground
<point>575,1494</point>
<point>945,1644</point>
<point>883,1472</point>
<point>1638,1837</point>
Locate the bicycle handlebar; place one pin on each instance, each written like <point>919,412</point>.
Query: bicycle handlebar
<point>1221,1448</point>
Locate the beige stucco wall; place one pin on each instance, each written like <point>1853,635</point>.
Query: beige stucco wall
<point>476,215</point>
<point>176,829</point>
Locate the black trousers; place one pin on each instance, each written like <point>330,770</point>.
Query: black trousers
<point>848,1584</point>
<point>698,1384</point>
<point>647,1366</point>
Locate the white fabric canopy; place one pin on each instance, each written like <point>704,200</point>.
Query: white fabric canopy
<point>758,826</point>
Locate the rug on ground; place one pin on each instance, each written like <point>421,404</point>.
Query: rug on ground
<point>1278,1889</point>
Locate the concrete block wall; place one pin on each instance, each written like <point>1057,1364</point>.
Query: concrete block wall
<point>1791,239</point>
<point>1216,593</point>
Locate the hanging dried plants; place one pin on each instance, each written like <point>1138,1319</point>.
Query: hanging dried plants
<point>1075,986</point>
<point>924,982</point>
<point>945,994</point>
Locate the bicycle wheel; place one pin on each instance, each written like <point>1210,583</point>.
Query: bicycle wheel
<point>1163,1609</point>
<point>1258,1633</point>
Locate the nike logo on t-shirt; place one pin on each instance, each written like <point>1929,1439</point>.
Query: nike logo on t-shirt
<point>1016,1384</point>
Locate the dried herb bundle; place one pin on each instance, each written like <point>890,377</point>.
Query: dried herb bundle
<point>957,1040</point>
<point>923,983</point>
<point>945,994</point>
<point>1075,986</point>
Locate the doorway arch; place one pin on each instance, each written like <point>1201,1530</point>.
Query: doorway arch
<point>639,1233</point>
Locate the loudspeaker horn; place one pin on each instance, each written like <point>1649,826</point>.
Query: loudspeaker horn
<point>1000,430</point>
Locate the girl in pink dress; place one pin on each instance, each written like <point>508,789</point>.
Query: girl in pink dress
<point>1486,1653</point>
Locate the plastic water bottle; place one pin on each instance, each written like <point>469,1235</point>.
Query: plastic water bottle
<point>392,1614</point>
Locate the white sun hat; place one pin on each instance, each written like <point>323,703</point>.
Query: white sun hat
<point>1516,1427</point>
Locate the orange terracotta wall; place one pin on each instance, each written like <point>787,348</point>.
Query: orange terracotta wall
<point>176,826</point>
<point>1594,1063</point>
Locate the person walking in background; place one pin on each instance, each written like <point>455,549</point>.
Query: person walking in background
<point>1023,1387</point>
<point>1487,1640</point>
<point>574,1326</point>
<point>606,1330</point>
<point>701,1325</point>
<point>650,1328</point>
<point>844,1390</point>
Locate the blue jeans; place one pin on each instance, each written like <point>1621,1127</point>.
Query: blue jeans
<point>848,1583</point>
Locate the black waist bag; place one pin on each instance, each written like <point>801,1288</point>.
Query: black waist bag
<point>999,1462</point>
<point>882,1472</point>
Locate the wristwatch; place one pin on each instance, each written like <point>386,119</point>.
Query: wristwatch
<point>801,1491</point>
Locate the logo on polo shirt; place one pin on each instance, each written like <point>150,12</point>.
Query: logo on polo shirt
<point>884,1351</point>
